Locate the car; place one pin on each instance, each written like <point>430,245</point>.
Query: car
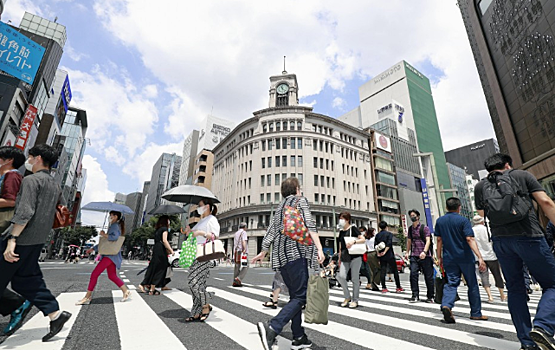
<point>173,259</point>
<point>401,264</point>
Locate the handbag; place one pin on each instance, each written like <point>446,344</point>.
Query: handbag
<point>106,247</point>
<point>169,272</point>
<point>294,226</point>
<point>244,260</point>
<point>211,250</point>
<point>62,217</point>
<point>317,300</point>
<point>188,251</point>
<point>357,248</point>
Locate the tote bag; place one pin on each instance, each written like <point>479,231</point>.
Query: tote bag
<point>106,247</point>
<point>211,250</point>
<point>188,251</point>
<point>357,248</point>
<point>294,226</point>
<point>317,300</point>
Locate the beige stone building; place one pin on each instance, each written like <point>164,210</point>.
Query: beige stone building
<point>330,158</point>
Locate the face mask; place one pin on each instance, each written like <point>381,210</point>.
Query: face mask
<point>28,165</point>
<point>341,222</point>
<point>201,210</point>
<point>414,218</point>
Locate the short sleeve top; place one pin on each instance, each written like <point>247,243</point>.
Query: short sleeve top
<point>208,224</point>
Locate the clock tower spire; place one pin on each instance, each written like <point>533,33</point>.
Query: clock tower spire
<point>284,89</point>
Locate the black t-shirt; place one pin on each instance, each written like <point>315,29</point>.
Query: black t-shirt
<point>351,232</point>
<point>387,237</point>
<point>529,226</point>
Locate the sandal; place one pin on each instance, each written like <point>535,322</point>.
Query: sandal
<point>126,296</point>
<point>271,304</point>
<point>154,292</point>
<point>84,301</point>
<point>141,289</point>
<point>192,319</point>
<point>204,316</point>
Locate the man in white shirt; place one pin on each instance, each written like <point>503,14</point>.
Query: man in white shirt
<point>486,249</point>
<point>240,247</point>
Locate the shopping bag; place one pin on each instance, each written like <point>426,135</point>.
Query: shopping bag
<point>244,260</point>
<point>439,284</point>
<point>317,300</point>
<point>188,251</point>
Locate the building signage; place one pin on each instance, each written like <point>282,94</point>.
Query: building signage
<point>19,55</point>
<point>412,69</point>
<point>404,222</point>
<point>382,142</point>
<point>474,148</point>
<point>387,73</point>
<point>215,130</point>
<point>426,200</point>
<point>26,126</point>
<point>66,93</point>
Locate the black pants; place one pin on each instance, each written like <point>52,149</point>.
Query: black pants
<point>384,263</point>
<point>26,278</point>
<point>426,266</point>
<point>9,302</point>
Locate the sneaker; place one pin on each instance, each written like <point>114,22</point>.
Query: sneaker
<point>399,290</point>
<point>448,315</point>
<point>353,305</point>
<point>57,325</point>
<point>385,290</point>
<point>414,299</point>
<point>17,318</point>
<point>267,335</point>
<point>529,347</point>
<point>237,283</point>
<point>479,318</point>
<point>301,343</point>
<point>430,301</point>
<point>345,302</point>
<point>542,339</point>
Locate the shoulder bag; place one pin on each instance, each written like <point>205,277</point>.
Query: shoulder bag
<point>357,248</point>
<point>294,226</point>
<point>211,250</point>
<point>106,247</point>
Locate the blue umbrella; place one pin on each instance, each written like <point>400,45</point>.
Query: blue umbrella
<point>108,206</point>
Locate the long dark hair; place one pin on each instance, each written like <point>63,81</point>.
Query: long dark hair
<point>369,233</point>
<point>163,221</point>
<point>121,221</point>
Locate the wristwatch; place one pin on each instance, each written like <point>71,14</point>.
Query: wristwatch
<point>10,236</point>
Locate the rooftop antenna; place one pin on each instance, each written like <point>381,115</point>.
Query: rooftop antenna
<point>56,19</point>
<point>284,71</point>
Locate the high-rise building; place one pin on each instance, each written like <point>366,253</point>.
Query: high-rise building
<point>132,221</point>
<point>56,109</point>
<point>165,175</point>
<point>190,150</point>
<point>471,183</point>
<point>458,178</point>
<point>471,157</point>
<point>514,49</point>
<point>213,131</point>
<point>144,197</point>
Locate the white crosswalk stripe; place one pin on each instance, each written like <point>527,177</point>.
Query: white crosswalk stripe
<point>137,322</point>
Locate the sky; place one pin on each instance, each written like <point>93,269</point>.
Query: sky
<point>147,72</point>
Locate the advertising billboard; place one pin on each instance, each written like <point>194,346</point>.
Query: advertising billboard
<point>426,200</point>
<point>66,93</point>
<point>382,142</point>
<point>213,131</point>
<point>19,55</point>
<point>26,126</point>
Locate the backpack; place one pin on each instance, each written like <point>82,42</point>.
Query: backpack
<point>503,200</point>
<point>423,238</point>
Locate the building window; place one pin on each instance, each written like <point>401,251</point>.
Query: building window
<point>314,145</point>
<point>284,142</point>
<point>263,142</point>
<point>332,162</point>
<point>315,180</point>
<point>315,161</point>
<point>383,164</point>
<point>269,162</point>
<point>263,163</point>
<point>277,179</point>
<point>385,178</point>
<point>333,183</point>
<point>250,165</point>
<point>327,164</point>
<point>299,126</point>
<point>282,100</point>
<point>269,180</point>
<point>299,161</point>
<point>278,143</point>
<point>270,144</point>
<point>262,198</point>
<point>264,128</point>
<point>322,181</point>
<point>276,197</point>
<point>292,143</point>
<point>283,160</point>
<point>300,143</point>
<point>262,181</point>
<point>283,177</point>
<point>328,182</point>
<point>316,198</point>
<point>292,126</point>
<point>293,161</point>
<point>271,127</point>
<point>321,163</point>
<point>284,126</point>
<point>250,183</point>
<point>278,126</point>
<point>268,198</point>
<point>277,161</point>
<point>300,178</point>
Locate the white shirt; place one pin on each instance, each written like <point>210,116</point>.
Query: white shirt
<point>208,224</point>
<point>484,245</point>
<point>370,244</point>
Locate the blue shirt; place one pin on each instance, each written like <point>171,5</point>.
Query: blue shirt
<point>453,230</point>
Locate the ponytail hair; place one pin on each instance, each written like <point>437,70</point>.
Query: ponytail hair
<point>213,207</point>
<point>121,220</point>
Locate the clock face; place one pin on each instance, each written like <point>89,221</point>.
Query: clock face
<point>282,89</point>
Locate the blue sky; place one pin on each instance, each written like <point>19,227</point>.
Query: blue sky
<point>147,75</point>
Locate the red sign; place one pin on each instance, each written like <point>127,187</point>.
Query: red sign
<point>383,141</point>
<point>26,125</point>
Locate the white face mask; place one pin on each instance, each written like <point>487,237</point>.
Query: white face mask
<point>28,165</point>
<point>201,210</point>
<point>341,222</point>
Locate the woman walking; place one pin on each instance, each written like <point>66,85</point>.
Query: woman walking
<point>291,259</point>
<point>207,228</point>
<point>108,262</point>
<point>372,259</point>
<point>349,261</point>
<point>155,276</point>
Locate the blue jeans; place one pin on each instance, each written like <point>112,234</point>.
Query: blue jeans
<point>512,252</point>
<point>295,276</point>
<point>453,271</point>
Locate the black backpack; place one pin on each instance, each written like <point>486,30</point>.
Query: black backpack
<point>423,238</point>
<point>503,200</point>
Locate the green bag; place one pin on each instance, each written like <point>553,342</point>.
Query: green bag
<point>188,251</point>
<point>317,300</point>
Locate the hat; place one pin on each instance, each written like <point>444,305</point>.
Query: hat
<point>477,219</point>
<point>243,225</point>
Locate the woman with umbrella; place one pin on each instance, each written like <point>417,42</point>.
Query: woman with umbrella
<point>208,228</point>
<point>109,262</point>
<point>155,275</point>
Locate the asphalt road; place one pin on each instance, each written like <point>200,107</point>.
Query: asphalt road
<point>157,322</point>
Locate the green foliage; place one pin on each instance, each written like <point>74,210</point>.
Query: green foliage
<point>78,235</point>
<point>140,235</point>
<point>402,238</point>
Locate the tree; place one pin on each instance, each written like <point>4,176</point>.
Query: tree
<point>402,238</point>
<point>78,235</point>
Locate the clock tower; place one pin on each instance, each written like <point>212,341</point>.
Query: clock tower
<point>284,90</point>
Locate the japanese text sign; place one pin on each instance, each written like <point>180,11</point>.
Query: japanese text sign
<point>26,125</point>
<point>66,93</point>
<point>426,200</point>
<point>19,55</point>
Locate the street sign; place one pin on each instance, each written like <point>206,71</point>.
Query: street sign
<point>19,55</point>
<point>26,125</point>
<point>150,241</point>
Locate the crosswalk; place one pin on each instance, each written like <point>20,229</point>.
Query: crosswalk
<point>383,321</point>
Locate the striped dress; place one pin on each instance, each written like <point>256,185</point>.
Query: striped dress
<point>285,249</point>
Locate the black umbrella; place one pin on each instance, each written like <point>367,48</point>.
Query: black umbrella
<point>167,209</point>
<point>190,194</point>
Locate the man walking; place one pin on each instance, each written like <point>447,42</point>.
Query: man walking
<point>34,215</point>
<point>419,243</point>
<point>386,256</point>
<point>240,247</point>
<point>455,244</point>
<point>518,239</point>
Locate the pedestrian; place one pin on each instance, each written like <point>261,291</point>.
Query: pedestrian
<point>419,254</point>
<point>35,207</point>
<point>208,228</point>
<point>278,287</point>
<point>518,239</point>
<point>292,259</point>
<point>455,244</point>
<point>240,248</point>
<point>155,275</point>
<point>364,269</point>
<point>387,256</point>
<point>372,260</point>
<point>108,262</point>
<point>492,264</point>
<point>347,261</point>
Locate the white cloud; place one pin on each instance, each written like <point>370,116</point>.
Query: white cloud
<point>140,166</point>
<point>74,55</point>
<point>338,102</point>
<point>150,91</point>
<point>15,9</point>
<point>97,183</point>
